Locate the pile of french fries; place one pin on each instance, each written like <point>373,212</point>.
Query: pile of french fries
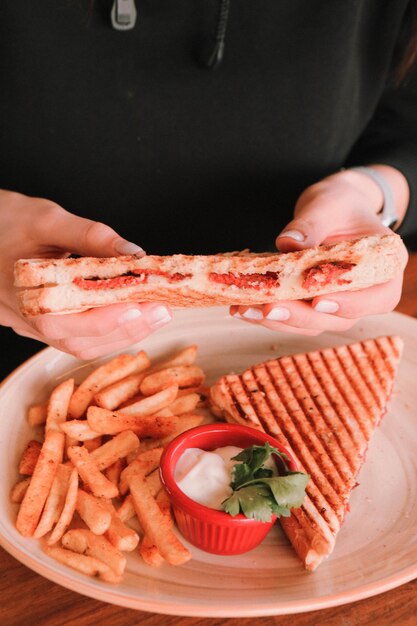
<point>91,490</point>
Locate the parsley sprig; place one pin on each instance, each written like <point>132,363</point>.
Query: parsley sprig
<point>257,493</point>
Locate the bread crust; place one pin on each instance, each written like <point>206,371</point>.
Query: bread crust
<point>47,285</point>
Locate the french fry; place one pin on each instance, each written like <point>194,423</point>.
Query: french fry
<point>30,457</point>
<point>155,524</point>
<point>120,535</point>
<point>54,502</point>
<point>148,551</point>
<point>182,375</point>
<point>143,465</point>
<point>85,542</point>
<point>154,482</point>
<point>93,512</point>
<point>58,405</point>
<point>114,470</point>
<point>79,430</point>
<point>93,444</point>
<point>37,414</point>
<point>123,390</point>
<point>68,510</point>
<point>184,403</point>
<point>152,404</point>
<point>186,356</point>
<point>117,448</point>
<point>85,564</point>
<point>19,489</point>
<point>113,422</point>
<point>90,474</point>
<point>50,457</point>
<point>126,510</point>
<point>105,375</point>
<point>185,423</point>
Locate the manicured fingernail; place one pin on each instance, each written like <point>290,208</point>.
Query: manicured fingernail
<point>253,314</point>
<point>278,314</point>
<point>158,316</point>
<point>129,316</point>
<point>292,234</point>
<point>127,247</point>
<point>326,306</point>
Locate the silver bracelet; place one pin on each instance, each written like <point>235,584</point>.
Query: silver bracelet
<point>388,214</point>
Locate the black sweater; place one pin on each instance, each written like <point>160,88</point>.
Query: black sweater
<point>128,128</point>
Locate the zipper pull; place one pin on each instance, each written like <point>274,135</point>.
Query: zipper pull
<point>123,14</point>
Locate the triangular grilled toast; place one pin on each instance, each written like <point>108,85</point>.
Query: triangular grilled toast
<point>324,406</point>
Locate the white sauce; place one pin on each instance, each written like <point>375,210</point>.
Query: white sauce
<point>205,477</point>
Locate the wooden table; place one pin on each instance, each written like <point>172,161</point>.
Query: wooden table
<point>27,598</point>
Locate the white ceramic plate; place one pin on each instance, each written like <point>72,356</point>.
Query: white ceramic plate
<point>376,549</point>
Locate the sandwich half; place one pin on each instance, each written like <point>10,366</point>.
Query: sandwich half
<point>324,406</point>
<point>73,284</point>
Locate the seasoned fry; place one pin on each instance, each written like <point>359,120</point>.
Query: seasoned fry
<point>120,535</point>
<point>113,422</point>
<point>186,356</point>
<point>155,524</point>
<point>58,405</point>
<point>85,542</point>
<point>148,551</point>
<point>35,497</point>
<point>185,403</point>
<point>68,510</point>
<point>79,430</point>
<point>117,448</point>
<point>113,471</point>
<point>55,501</point>
<point>123,390</point>
<point>154,482</point>
<point>84,564</point>
<point>103,376</point>
<point>19,489</point>
<point>93,512</point>
<point>126,510</point>
<point>182,375</point>
<point>185,423</point>
<point>143,465</point>
<point>30,457</point>
<point>93,444</point>
<point>152,404</point>
<point>90,474</point>
<point>37,414</point>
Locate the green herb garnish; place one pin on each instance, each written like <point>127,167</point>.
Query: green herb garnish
<point>257,493</point>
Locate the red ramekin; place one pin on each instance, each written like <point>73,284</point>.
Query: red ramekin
<point>209,529</point>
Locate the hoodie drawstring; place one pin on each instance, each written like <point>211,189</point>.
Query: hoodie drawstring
<point>216,56</point>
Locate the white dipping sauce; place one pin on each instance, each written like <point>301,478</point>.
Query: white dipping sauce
<point>205,477</point>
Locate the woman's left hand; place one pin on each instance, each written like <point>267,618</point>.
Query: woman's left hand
<point>342,206</point>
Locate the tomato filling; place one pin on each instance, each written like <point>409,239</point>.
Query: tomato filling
<point>327,274</point>
<point>127,280</point>
<point>247,281</point>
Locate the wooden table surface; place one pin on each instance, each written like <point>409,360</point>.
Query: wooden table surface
<point>27,598</point>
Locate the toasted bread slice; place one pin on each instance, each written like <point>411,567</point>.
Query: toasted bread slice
<point>65,285</point>
<point>324,406</point>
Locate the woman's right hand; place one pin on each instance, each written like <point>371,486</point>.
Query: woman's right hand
<point>35,227</point>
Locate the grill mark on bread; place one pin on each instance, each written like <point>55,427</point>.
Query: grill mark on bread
<point>323,496</point>
<point>302,424</point>
<point>367,374</point>
<point>325,408</point>
<point>338,403</point>
<point>296,442</point>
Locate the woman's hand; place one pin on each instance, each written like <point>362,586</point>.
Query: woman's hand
<point>342,206</point>
<point>34,227</point>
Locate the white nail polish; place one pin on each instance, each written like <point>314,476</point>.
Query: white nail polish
<point>158,316</point>
<point>129,316</point>
<point>253,314</point>
<point>292,234</point>
<point>326,306</point>
<point>127,247</point>
<point>278,314</point>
